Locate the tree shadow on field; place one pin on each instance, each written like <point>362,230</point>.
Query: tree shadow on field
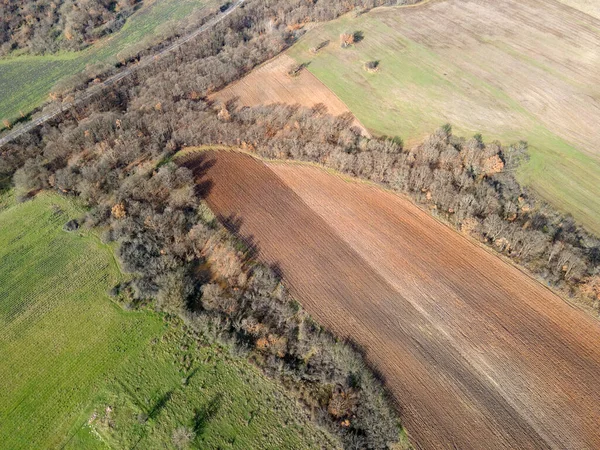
<point>233,223</point>
<point>203,415</point>
<point>277,270</point>
<point>233,103</point>
<point>358,36</point>
<point>362,351</point>
<point>199,164</point>
<point>191,375</point>
<point>159,405</point>
<point>247,243</point>
<point>320,46</point>
<point>5,183</point>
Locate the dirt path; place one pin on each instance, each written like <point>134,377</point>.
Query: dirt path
<point>14,133</point>
<point>477,354</point>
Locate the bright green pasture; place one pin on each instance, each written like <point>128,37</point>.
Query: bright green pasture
<point>416,90</point>
<point>26,81</point>
<point>59,332</point>
<point>78,371</point>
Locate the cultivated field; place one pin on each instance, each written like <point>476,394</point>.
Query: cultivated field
<point>508,69</point>
<point>474,350</point>
<point>270,83</point>
<point>77,367</point>
<point>26,81</point>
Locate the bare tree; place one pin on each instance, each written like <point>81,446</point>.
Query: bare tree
<point>346,39</point>
<point>182,437</point>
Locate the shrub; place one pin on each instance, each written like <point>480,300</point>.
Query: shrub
<point>295,70</point>
<point>346,39</point>
<point>372,66</point>
<point>71,225</point>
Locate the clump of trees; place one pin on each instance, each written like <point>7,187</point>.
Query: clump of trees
<point>113,153</point>
<point>348,39</point>
<point>184,262</point>
<point>43,26</point>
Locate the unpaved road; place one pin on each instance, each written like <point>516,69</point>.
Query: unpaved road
<point>95,89</point>
<point>477,354</point>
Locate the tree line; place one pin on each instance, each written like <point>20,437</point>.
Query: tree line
<point>43,26</point>
<point>466,182</point>
<point>186,263</point>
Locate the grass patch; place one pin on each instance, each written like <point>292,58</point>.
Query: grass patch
<point>419,89</point>
<point>26,80</point>
<point>70,354</point>
<point>179,381</point>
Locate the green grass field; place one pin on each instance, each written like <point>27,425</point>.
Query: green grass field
<point>26,81</point>
<point>79,371</point>
<point>418,89</point>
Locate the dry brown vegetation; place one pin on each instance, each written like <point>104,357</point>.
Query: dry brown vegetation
<point>40,26</point>
<point>473,349</point>
<point>271,83</point>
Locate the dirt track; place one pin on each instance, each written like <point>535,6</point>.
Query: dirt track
<point>477,354</point>
<point>128,70</point>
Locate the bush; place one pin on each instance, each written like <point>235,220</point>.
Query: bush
<point>71,225</point>
<point>346,39</point>
<point>372,66</point>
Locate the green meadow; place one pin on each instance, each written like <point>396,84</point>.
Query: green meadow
<point>79,371</point>
<point>416,90</point>
<point>26,80</point>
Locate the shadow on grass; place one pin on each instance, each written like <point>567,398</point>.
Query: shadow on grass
<point>5,183</point>
<point>22,119</point>
<point>159,405</point>
<point>204,415</point>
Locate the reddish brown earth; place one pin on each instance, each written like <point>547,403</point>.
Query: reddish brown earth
<point>477,353</point>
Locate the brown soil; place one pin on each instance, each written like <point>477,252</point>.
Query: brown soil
<point>270,83</point>
<point>477,354</point>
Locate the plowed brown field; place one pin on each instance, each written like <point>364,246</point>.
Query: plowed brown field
<point>270,83</point>
<point>477,354</point>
